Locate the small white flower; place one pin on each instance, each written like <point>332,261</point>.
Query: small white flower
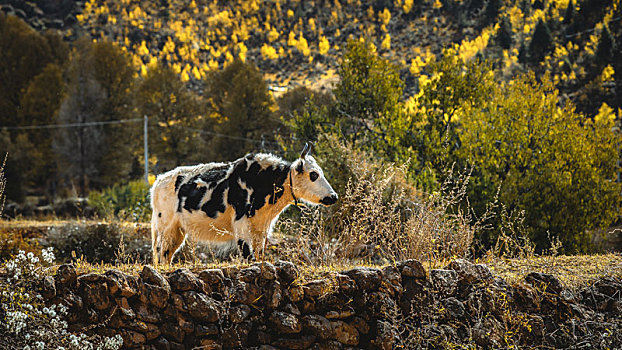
<point>48,255</point>
<point>40,345</point>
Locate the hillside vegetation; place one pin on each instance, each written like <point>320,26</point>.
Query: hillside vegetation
<point>300,42</point>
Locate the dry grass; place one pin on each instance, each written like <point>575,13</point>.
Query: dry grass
<point>573,271</point>
<point>2,183</point>
<point>315,262</point>
<point>381,218</point>
<point>45,224</point>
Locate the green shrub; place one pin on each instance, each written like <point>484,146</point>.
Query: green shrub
<point>548,161</point>
<point>123,201</point>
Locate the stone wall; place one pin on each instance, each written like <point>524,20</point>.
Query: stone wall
<point>269,306</point>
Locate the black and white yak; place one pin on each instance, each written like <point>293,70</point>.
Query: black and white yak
<point>231,204</point>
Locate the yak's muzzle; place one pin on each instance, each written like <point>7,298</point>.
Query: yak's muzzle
<point>328,200</point>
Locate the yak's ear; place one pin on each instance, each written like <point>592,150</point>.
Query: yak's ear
<point>305,150</point>
<point>299,166</point>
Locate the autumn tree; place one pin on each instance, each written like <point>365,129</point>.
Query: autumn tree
<point>100,80</point>
<point>31,87</point>
<point>548,161</point>
<point>24,54</point>
<point>175,117</point>
<point>39,105</point>
<point>453,85</point>
<point>239,101</point>
<point>114,72</point>
<point>80,148</point>
<point>541,43</point>
<point>367,95</point>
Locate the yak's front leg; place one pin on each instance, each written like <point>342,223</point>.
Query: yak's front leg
<point>260,240</point>
<point>242,231</point>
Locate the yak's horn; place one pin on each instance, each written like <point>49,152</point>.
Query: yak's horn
<point>305,150</point>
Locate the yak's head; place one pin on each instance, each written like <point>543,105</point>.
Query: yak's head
<point>308,181</point>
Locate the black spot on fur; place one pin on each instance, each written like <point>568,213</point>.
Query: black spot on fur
<point>194,198</point>
<point>238,198</point>
<point>214,175</point>
<point>244,248</point>
<point>216,203</point>
<point>178,182</point>
<point>264,183</point>
<point>166,253</point>
<point>190,194</point>
<point>299,167</point>
<point>159,215</point>
<point>184,191</point>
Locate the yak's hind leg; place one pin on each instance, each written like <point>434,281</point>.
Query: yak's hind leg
<point>245,250</point>
<point>164,234</point>
<point>170,240</point>
<point>155,235</point>
<point>244,239</point>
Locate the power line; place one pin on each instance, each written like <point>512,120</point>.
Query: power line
<point>239,138</point>
<point>590,30</point>
<point>70,125</point>
<point>134,120</point>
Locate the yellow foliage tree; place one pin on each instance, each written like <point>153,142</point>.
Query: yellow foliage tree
<point>386,42</point>
<point>268,52</point>
<point>323,45</point>
<point>384,16</point>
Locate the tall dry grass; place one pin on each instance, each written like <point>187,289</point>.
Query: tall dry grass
<point>380,217</point>
<point>2,184</point>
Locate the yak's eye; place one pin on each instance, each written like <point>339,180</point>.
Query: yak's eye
<point>313,176</point>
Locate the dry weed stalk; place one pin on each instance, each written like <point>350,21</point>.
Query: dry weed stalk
<point>2,183</point>
<point>513,240</point>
